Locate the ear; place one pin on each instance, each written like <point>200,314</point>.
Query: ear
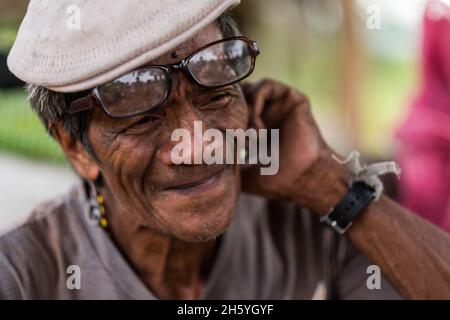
<point>80,159</point>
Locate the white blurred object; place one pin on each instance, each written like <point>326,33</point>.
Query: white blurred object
<point>25,183</point>
<point>398,37</point>
<point>368,173</point>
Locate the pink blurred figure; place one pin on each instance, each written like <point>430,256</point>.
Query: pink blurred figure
<point>424,150</point>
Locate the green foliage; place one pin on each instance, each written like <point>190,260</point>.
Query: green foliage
<point>22,132</point>
<point>7,36</point>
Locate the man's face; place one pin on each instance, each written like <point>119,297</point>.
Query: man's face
<point>189,202</point>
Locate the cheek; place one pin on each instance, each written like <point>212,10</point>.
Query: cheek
<point>134,153</point>
<point>126,164</point>
<point>234,116</point>
<point>123,158</point>
<point>240,117</point>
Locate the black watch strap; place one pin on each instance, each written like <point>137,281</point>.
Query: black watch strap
<point>357,198</point>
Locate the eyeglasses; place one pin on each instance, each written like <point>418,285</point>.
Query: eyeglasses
<point>218,64</point>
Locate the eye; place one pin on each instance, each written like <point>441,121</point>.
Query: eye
<point>143,121</point>
<point>142,125</point>
<point>220,97</point>
<point>216,101</point>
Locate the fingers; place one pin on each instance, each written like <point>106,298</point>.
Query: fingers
<point>270,101</point>
<point>274,105</point>
<point>257,96</point>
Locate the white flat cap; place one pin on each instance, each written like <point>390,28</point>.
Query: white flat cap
<point>74,45</point>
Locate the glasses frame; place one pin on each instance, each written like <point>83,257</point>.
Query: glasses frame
<point>87,102</point>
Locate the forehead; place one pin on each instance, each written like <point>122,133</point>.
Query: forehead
<point>207,35</point>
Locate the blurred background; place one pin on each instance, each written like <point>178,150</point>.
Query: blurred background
<point>357,60</point>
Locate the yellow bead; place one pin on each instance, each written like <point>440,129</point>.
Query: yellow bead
<point>103,222</point>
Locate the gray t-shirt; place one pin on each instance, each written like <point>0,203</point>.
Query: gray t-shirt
<point>272,250</point>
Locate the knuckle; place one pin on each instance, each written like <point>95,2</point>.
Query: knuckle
<point>299,99</point>
<point>266,81</point>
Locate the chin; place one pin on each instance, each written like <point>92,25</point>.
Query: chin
<point>205,222</point>
<point>205,230</point>
<point>202,217</point>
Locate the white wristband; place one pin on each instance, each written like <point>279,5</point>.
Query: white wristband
<point>368,173</point>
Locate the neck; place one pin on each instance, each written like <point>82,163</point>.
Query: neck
<point>169,267</point>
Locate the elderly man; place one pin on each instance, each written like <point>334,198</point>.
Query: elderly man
<point>112,85</point>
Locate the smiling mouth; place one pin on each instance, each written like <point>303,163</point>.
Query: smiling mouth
<point>200,185</point>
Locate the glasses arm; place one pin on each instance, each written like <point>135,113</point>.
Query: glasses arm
<point>80,104</point>
<point>254,46</point>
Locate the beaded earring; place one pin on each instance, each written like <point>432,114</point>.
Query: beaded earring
<point>96,209</point>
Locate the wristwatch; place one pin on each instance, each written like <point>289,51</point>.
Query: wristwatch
<point>357,198</point>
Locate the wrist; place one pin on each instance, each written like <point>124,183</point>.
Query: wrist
<point>325,184</point>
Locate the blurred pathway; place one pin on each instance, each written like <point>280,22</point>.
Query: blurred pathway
<point>24,183</point>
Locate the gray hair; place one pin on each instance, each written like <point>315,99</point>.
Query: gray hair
<point>52,106</point>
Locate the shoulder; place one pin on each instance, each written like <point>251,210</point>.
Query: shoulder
<point>39,230</point>
<point>35,250</point>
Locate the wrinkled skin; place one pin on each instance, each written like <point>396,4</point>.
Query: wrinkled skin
<point>141,181</point>
<point>136,164</point>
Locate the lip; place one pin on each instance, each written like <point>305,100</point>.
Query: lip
<point>199,186</point>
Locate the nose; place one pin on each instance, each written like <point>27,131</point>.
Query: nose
<point>186,143</point>
<point>186,125</point>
